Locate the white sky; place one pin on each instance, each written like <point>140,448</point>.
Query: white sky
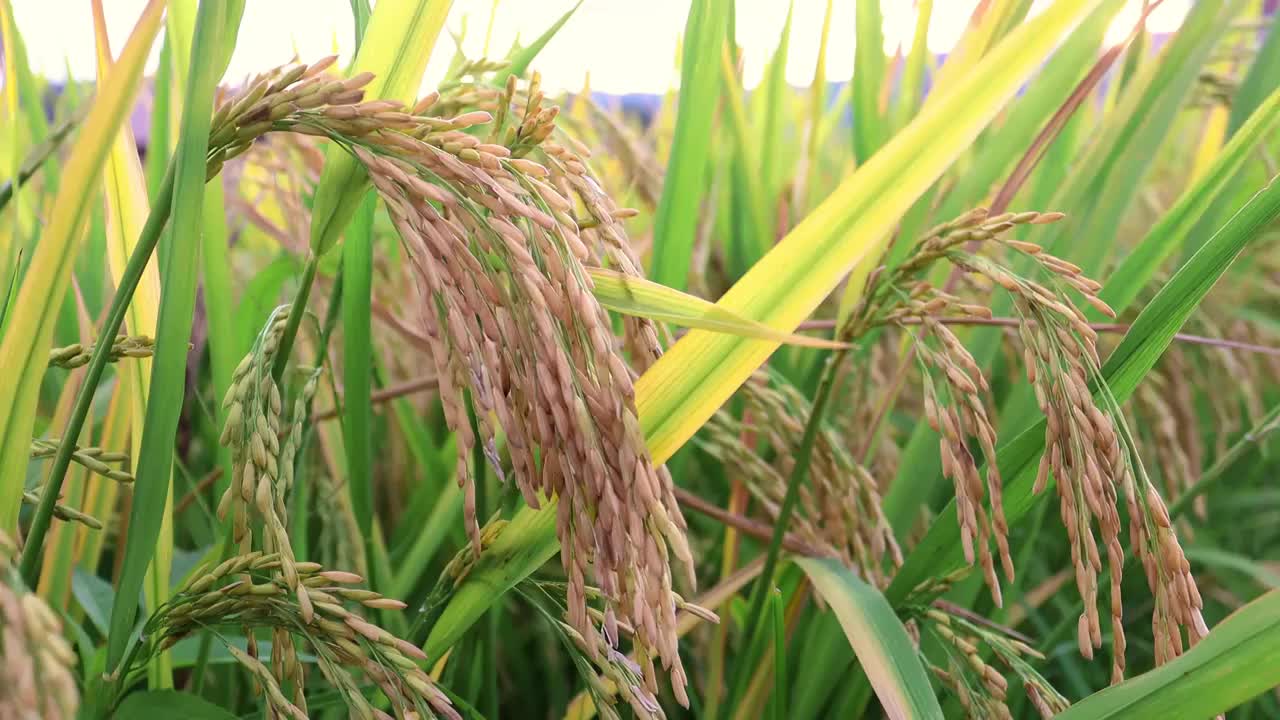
<point>628,45</point>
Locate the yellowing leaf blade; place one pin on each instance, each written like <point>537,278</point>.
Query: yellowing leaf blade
<point>677,395</point>
<point>645,298</point>
<point>30,329</point>
<point>687,385</point>
<point>395,49</point>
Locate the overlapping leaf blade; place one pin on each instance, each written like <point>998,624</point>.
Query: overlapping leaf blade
<point>677,395</point>
<point>885,651</point>
<point>396,47</point>
<point>29,332</point>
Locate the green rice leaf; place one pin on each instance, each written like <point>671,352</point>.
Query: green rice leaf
<point>357,366</point>
<point>523,58</point>
<point>1262,78</point>
<point>869,130</point>
<point>776,99</point>
<point>885,651</point>
<point>1237,661</point>
<point>152,491</point>
<point>518,550</point>
<point>679,209</point>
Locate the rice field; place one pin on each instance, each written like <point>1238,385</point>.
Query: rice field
<point>944,389</point>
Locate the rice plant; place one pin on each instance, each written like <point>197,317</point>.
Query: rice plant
<point>946,389</point>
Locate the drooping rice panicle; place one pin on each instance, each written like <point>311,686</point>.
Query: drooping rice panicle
<point>37,664</point>
<point>1084,451</point>
<point>249,591</point>
<point>501,254</point>
<point>840,509</point>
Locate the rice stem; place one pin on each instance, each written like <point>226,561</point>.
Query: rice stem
<point>30,567</point>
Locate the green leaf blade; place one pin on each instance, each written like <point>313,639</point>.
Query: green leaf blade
<point>1237,661</point>
<point>878,638</point>
<point>676,221</point>
<point>152,492</point>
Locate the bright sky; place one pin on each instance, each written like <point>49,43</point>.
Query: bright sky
<point>628,45</point>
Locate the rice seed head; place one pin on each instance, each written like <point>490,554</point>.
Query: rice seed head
<point>309,618</point>
<point>1087,450</point>
<point>500,234</point>
<point>37,665</point>
<point>94,459</point>
<point>123,346</point>
<point>981,662</point>
<point>840,509</point>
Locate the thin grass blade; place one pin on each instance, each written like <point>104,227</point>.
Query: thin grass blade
<point>869,127</point>
<point>676,221</point>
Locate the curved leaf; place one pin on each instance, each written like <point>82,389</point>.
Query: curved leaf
<point>1238,660</point>
<point>877,637</point>
<point>1167,236</point>
<point>645,298</point>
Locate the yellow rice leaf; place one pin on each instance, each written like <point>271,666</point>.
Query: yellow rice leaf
<point>645,298</point>
<point>688,384</point>
<point>26,341</point>
<point>127,208</point>
<point>395,49</point>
